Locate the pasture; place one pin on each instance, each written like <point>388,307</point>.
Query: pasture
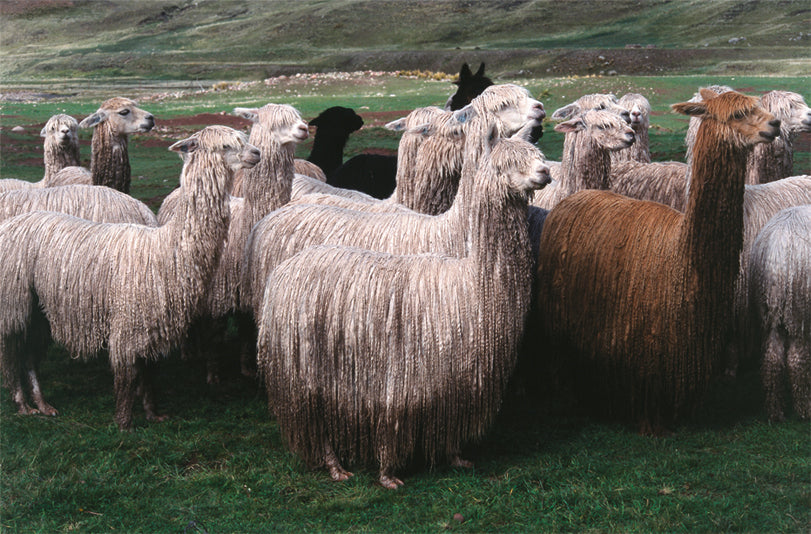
<point>219,465</point>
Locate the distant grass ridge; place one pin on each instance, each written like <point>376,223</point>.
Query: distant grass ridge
<point>253,39</point>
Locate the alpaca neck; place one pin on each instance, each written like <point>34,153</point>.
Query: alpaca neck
<point>585,165</point>
<point>328,149</point>
<point>498,237</point>
<point>405,178</point>
<point>437,174</point>
<point>109,159</point>
<point>713,221</point>
<point>768,162</point>
<point>268,185</point>
<point>57,156</point>
<point>199,225</point>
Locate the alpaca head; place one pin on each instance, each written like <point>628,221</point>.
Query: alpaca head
<point>338,119</point>
<point>790,108</point>
<point>62,129</point>
<point>429,120</point>
<point>605,128</point>
<point>226,142</point>
<point>519,164</point>
<point>121,116</point>
<point>510,105</point>
<point>469,86</point>
<point>593,101</point>
<point>281,122</point>
<point>638,107</point>
<point>740,113</point>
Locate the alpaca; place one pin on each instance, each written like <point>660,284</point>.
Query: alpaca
<point>333,127</point>
<point>780,282</point>
<point>469,86</point>
<point>428,170</point>
<point>590,138</point>
<point>594,101</point>
<point>297,226</point>
<point>61,149</point>
<point>773,161</point>
<point>126,288</point>
<point>639,112</point>
<point>113,123</point>
<point>427,373</point>
<point>276,131</point>
<point>761,202</point>
<point>636,294</point>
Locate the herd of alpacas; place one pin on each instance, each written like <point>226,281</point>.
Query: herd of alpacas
<point>387,327</point>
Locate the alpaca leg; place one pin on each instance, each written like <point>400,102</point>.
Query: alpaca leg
<point>36,394</point>
<point>773,374</point>
<point>458,461</point>
<point>124,379</point>
<point>799,372</point>
<point>336,471</point>
<point>247,337</point>
<point>147,371</point>
<point>11,365</point>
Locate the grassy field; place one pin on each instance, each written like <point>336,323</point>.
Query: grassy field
<point>219,465</point>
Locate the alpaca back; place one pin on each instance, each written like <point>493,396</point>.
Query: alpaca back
<point>780,272</point>
<point>95,203</point>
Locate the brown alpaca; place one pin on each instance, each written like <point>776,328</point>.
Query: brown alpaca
<point>113,123</point>
<point>638,294</point>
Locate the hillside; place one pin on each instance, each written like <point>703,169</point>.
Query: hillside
<point>251,39</point>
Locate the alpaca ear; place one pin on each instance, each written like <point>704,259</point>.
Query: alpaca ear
<point>707,94</point>
<point>422,129</point>
<point>465,114</point>
<point>186,146</point>
<point>480,72</point>
<point>397,126</point>
<point>94,119</point>
<point>44,131</point>
<point>252,114</point>
<point>465,72</point>
<point>695,109</point>
<point>573,125</point>
<point>565,112</point>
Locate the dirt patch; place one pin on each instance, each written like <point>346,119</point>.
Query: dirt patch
<point>205,119</point>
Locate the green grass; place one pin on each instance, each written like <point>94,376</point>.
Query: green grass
<point>219,464</point>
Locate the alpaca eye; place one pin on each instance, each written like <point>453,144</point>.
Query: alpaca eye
<point>124,112</point>
<point>739,115</point>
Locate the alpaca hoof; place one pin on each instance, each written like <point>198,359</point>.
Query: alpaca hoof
<point>339,474</point>
<point>155,418</point>
<point>47,409</point>
<point>248,372</point>
<point>390,482</point>
<point>26,410</point>
<point>457,461</point>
